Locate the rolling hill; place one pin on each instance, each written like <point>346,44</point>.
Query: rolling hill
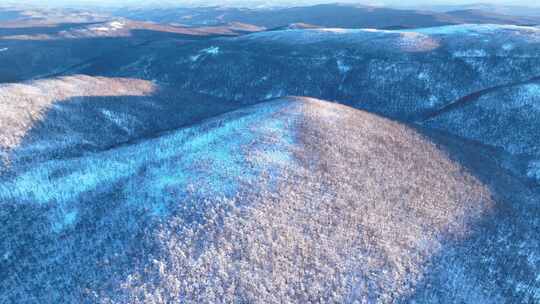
<point>409,75</point>
<point>325,15</point>
<point>31,49</point>
<point>401,74</point>
<point>209,213</point>
<point>70,116</point>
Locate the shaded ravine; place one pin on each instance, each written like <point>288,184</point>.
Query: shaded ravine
<point>498,261</point>
<point>471,98</point>
<point>74,116</point>
<point>74,68</point>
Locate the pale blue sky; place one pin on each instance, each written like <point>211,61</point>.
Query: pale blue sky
<point>272,2</point>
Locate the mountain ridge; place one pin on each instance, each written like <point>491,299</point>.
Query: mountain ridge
<point>275,141</point>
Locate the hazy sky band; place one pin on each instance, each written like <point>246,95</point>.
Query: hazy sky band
<point>262,2</point>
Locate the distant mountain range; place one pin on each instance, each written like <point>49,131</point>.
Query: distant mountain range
<point>328,15</point>
<point>324,15</point>
<point>515,10</point>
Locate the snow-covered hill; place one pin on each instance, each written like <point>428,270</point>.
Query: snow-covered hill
<point>69,116</point>
<point>312,200</point>
<point>354,15</point>
<point>408,75</point>
<point>400,74</point>
<point>41,49</point>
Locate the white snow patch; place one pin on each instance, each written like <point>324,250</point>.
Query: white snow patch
<point>314,35</point>
<point>508,46</point>
<point>423,39</point>
<point>195,57</point>
<point>477,53</point>
<point>3,49</point>
<point>120,120</point>
<point>474,30</point>
<point>372,30</point>
<point>101,29</point>
<point>423,76</point>
<point>276,157</point>
<point>416,42</point>
<point>213,50</point>
<point>111,26</point>
<point>336,30</point>
<point>469,29</point>
<point>116,25</point>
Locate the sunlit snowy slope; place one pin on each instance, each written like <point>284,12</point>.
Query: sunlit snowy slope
<point>69,116</point>
<point>294,199</point>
